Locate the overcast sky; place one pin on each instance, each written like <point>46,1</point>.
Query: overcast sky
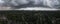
<point>50,3</point>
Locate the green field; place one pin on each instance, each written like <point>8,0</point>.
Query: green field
<point>30,17</point>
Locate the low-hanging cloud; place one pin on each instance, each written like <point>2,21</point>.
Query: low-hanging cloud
<point>50,3</point>
<point>1,2</point>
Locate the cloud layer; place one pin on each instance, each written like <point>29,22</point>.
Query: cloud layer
<point>49,3</point>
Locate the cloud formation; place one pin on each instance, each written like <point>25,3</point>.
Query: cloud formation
<point>50,3</point>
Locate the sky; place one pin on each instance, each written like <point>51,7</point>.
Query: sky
<point>49,3</point>
<point>1,1</point>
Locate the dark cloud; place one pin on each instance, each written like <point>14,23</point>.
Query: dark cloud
<point>26,3</point>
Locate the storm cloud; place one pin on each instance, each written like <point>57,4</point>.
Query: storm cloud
<point>49,3</point>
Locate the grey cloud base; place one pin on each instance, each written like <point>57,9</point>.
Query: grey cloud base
<point>31,3</point>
